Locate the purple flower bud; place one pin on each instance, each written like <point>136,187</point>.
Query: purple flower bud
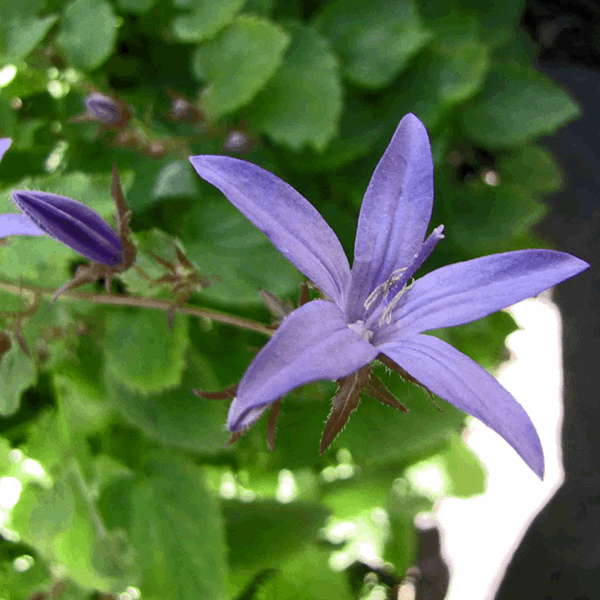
<point>69,222</point>
<point>103,109</point>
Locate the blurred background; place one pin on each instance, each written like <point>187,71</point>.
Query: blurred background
<point>114,478</point>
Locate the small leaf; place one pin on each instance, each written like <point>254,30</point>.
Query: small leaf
<point>238,63</point>
<point>290,109</point>
<point>142,352</point>
<point>259,533</point>
<point>22,36</point>
<point>532,169</point>
<point>515,105</point>
<point>89,33</point>
<point>177,530</point>
<point>176,417</point>
<point>205,19</point>
<point>175,179</point>
<point>136,7</point>
<point>308,576</point>
<point>375,40</point>
<point>17,373</point>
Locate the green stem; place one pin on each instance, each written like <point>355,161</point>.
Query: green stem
<point>142,302</point>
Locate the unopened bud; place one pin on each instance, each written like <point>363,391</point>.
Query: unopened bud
<point>183,110</point>
<point>66,220</point>
<point>237,141</point>
<point>103,109</point>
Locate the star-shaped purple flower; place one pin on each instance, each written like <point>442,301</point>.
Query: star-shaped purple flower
<point>374,309</point>
<point>66,220</point>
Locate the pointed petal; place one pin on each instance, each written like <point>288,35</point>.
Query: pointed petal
<point>4,146</point>
<point>395,212</point>
<point>462,382</point>
<point>314,342</point>
<point>292,224</point>
<point>470,290</point>
<point>72,223</point>
<point>18,225</point>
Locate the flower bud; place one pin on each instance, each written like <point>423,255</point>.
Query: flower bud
<point>102,108</point>
<point>71,223</point>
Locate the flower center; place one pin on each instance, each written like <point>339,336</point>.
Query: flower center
<point>359,327</point>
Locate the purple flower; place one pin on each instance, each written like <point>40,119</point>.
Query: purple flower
<point>66,220</point>
<point>373,308</point>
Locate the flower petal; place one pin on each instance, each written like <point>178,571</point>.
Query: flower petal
<point>462,382</point>
<point>4,146</point>
<point>294,226</point>
<point>470,290</point>
<point>72,223</point>
<point>18,225</point>
<point>314,342</point>
<point>395,212</point>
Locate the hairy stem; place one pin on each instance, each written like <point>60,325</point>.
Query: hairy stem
<point>141,302</point>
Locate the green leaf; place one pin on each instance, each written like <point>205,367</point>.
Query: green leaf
<point>265,533</point>
<point>16,584</point>
<point>177,530</point>
<point>290,108</point>
<point>531,169</point>
<point>225,245</point>
<point>89,33</point>
<point>137,7</point>
<point>516,105</point>
<point>62,524</point>
<point>488,219</point>
<point>18,9</point>
<point>22,36</point>
<point>499,18</point>
<point>461,71</point>
<point>467,475</point>
<point>17,373</point>
<point>238,63</point>
<point>142,352</point>
<point>175,179</point>
<point>375,40</point>
<point>177,417</point>
<point>205,19</point>
<point>307,576</point>
<point>263,8</point>
<point>359,131</point>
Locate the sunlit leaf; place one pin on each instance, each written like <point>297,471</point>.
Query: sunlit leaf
<point>88,33</point>
<point>237,64</point>
<point>289,109</point>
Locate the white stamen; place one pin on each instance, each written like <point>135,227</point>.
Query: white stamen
<point>387,313</point>
<point>383,288</point>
